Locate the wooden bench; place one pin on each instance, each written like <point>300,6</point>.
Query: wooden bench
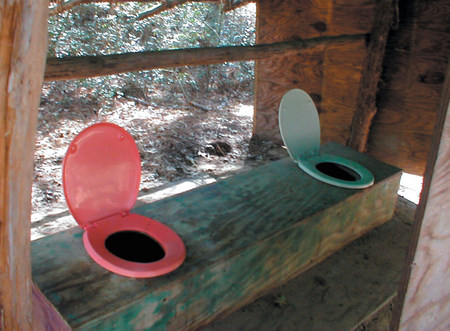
<point>344,292</point>
<point>244,236</point>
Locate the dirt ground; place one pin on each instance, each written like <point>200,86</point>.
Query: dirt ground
<point>176,140</point>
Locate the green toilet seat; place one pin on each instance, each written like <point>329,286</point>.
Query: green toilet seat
<point>300,131</point>
<point>360,176</point>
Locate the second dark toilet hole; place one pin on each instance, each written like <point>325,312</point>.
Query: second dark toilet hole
<point>338,171</point>
<point>134,246</point>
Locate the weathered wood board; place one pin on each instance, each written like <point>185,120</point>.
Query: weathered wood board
<point>341,292</point>
<point>425,292</point>
<point>412,83</point>
<point>414,73</point>
<point>331,75</point>
<point>244,235</point>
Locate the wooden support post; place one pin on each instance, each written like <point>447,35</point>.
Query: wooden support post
<point>101,65</point>
<point>366,101</point>
<point>424,295</point>
<point>23,42</point>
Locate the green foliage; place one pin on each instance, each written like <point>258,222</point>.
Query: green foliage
<point>107,29</point>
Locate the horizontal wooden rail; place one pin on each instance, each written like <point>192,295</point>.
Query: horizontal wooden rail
<point>102,65</point>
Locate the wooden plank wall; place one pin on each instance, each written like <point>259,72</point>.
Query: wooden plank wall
<point>414,72</point>
<point>412,82</point>
<point>331,75</point>
<point>23,42</point>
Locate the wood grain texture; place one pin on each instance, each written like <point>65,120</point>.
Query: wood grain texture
<point>414,72</point>
<point>346,289</point>
<point>332,79</point>
<point>76,67</point>
<point>425,294</point>
<point>244,235</point>
<point>295,19</point>
<point>331,75</point>
<point>342,70</point>
<point>23,35</point>
<point>370,77</point>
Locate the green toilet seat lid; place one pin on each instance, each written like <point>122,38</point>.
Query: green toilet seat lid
<point>299,124</point>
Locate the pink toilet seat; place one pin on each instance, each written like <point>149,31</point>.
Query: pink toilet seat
<point>101,176</point>
<point>94,241</point>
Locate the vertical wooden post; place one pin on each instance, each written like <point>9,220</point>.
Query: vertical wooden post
<point>424,294</point>
<point>368,88</point>
<point>23,43</point>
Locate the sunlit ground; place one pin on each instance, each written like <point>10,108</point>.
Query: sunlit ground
<point>410,187</point>
<point>244,111</point>
<point>50,213</point>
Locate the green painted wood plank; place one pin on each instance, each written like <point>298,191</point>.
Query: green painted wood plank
<point>244,235</point>
<point>339,293</point>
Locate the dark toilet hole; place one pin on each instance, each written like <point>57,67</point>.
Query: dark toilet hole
<point>134,246</point>
<point>338,171</point>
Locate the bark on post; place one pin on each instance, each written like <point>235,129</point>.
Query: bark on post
<point>102,65</point>
<point>366,102</point>
<point>23,42</point>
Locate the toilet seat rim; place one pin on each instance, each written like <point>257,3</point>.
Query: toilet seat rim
<point>174,249</point>
<point>309,166</point>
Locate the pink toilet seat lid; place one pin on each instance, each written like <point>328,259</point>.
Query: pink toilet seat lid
<point>101,173</point>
